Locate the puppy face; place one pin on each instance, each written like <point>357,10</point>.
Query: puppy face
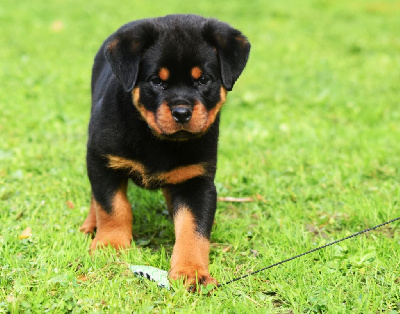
<point>178,70</point>
<point>179,93</point>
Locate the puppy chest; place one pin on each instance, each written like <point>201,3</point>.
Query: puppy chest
<point>141,175</point>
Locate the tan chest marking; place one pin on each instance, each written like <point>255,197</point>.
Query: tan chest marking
<point>214,112</point>
<point>174,176</point>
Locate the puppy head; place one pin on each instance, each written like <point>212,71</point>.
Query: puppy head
<point>178,69</point>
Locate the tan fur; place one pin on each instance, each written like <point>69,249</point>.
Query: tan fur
<point>112,44</point>
<point>199,118</point>
<point>163,74</point>
<point>89,225</point>
<point>182,174</point>
<point>116,162</point>
<point>190,255</point>
<point>174,176</point>
<point>196,73</point>
<point>212,114</point>
<point>242,41</point>
<point>147,115</point>
<point>114,229</point>
<point>163,123</point>
<point>166,121</point>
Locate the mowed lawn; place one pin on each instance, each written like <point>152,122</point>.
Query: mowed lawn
<point>311,132</point>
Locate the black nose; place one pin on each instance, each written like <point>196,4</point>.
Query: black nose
<point>181,114</point>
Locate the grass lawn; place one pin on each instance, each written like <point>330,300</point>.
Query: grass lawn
<point>311,132</point>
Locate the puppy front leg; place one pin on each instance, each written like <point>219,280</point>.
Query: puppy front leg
<point>110,211</point>
<point>194,205</point>
<point>114,227</point>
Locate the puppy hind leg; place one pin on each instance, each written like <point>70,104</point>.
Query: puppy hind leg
<point>89,225</point>
<point>168,201</point>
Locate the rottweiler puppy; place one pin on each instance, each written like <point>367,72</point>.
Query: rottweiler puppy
<point>157,89</point>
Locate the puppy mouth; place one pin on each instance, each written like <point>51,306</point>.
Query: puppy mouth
<point>181,135</point>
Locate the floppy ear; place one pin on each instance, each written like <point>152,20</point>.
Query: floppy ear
<point>232,47</point>
<point>123,51</point>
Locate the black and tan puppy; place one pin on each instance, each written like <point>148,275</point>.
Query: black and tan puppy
<point>157,89</point>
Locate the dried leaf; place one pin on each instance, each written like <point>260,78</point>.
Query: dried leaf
<point>235,199</point>
<point>70,204</point>
<point>81,278</point>
<point>316,231</point>
<point>260,198</point>
<point>26,233</point>
<point>254,252</point>
<point>226,249</point>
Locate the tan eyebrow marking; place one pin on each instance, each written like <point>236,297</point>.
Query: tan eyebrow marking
<point>163,74</point>
<point>196,73</point>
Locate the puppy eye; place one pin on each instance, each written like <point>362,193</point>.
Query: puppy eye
<point>156,80</point>
<point>204,79</point>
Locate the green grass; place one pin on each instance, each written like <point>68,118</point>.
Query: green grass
<point>312,126</point>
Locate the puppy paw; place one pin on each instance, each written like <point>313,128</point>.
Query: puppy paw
<point>90,223</point>
<point>88,227</point>
<point>193,278</point>
<point>117,241</point>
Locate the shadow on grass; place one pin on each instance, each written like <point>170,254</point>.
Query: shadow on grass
<point>152,225</point>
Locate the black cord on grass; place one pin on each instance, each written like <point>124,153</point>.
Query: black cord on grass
<point>308,252</point>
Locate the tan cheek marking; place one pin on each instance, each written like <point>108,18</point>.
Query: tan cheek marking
<point>135,96</point>
<point>147,115</point>
<point>114,229</point>
<point>199,118</point>
<point>191,250</point>
<point>212,114</point>
<point>163,74</point>
<point>196,73</point>
<point>165,120</point>
<point>182,174</point>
